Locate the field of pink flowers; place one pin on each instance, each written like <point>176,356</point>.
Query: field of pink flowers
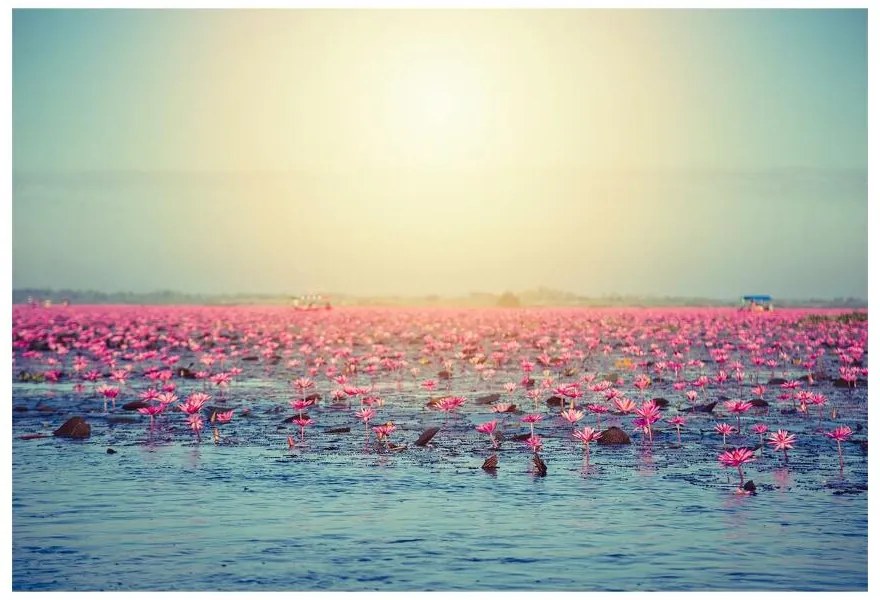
<point>710,405</point>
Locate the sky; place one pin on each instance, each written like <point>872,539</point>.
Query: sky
<point>676,152</point>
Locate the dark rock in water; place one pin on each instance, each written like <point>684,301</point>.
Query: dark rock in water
<point>491,463</point>
<point>31,436</point>
<point>290,419</point>
<point>787,411</point>
<point>751,487</point>
<point>776,381</point>
<point>555,401</point>
<point>661,402</point>
<point>45,408</point>
<point>135,405</point>
<point>520,437</point>
<point>540,466</point>
<point>444,375</point>
<point>338,430</point>
<point>250,358</point>
<point>490,399</point>
<point>314,397</point>
<point>758,403</point>
<point>706,408</point>
<point>427,436</point>
<point>613,436</point>
<point>74,427</point>
<point>19,408</point>
<point>39,346</point>
<point>111,451</point>
<point>185,373</point>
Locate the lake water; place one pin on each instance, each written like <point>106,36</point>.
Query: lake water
<point>167,513</point>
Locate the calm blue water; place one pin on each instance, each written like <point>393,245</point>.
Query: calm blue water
<point>248,514</point>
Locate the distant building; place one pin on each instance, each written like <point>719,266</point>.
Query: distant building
<point>757,303</point>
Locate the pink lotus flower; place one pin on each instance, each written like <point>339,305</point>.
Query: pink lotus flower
<point>300,405</point>
<point>737,458</point>
<point>531,420</point>
<point>489,429</point>
<point>149,395</point>
<point>194,403</point>
<point>302,422</point>
<point>224,417</point>
<point>737,407</point>
<point>303,384</point>
<point>535,443</point>
<point>196,423</point>
<point>383,432</point>
<point>679,422</point>
<point>572,416</point>
<point>625,405</point>
<point>109,393</point>
<point>365,414</point>
<point>587,435</point>
<point>153,411</point>
<point>840,434</point>
<point>782,440</point>
<point>725,430</point>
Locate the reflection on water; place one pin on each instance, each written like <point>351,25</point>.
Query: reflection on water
<point>646,460</point>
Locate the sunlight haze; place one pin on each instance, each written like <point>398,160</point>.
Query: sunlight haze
<point>688,153</point>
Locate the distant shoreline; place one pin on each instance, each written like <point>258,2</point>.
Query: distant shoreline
<point>527,299</point>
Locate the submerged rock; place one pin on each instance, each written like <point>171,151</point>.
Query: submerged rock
<point>776,381</point>
<point>427,436</point>
<point>111,451</point>
<point>758,403</point>
<point>661,402</point>
<point>706,408</point>
<point>540,466</point>
<point>185,373</point>
<point>490,399</point>
<point>751,487</point>
<point>491,463</point>
<point>31,436</point>
<point>338,430</point>
<point>75,427</point>
<point>555,401</point>
<point>444,375</point>
<point>613,436</point>
<point>135,405</point>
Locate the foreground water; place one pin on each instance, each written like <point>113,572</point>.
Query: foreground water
<point>167,513</point>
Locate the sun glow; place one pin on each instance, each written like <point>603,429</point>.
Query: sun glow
<point>435,109</point>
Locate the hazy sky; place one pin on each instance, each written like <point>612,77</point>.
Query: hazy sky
<point>708,153</point>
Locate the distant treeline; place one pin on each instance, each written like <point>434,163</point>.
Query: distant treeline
<point>541,297</point>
